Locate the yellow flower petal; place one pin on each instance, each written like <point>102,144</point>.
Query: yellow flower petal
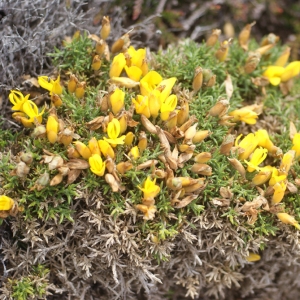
<point>6,203</point>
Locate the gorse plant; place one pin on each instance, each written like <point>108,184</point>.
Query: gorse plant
<point>159,137</point>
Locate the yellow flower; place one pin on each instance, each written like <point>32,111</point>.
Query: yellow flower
<point>168,106</point>
<point>17,99</point>
<point>129,138</point>
<point>165,88</point>
<point>154,103</point>
<point>258,156</point>
<point>263,175</point>
<point>52,129</point>
<point>106,149</point>
<point>287,219</point>
<point>247,145</point>
<point>277,74</point>
<point>141,104</point>
<point>279,189</point>
<point>117,65</point>
<point>6,203</point>
<point>134,152</point>
<point>290,71</point>
<point>245,115</point>
<point>117,101</point>
<point>264,141</point>
<point>113,132</point>
<point>49,84</point>
<point>133,72</point>
<point>97,166</point>
<point>273,73</point>
<point>150,189</point>
<point>30,114</point>
<point>296,144</point>
<point>149,82</point>
<point>287,161</point>
<point>94,146</point>
<point>276,177</point>
<point>137,56</point>
<point>83,150</point>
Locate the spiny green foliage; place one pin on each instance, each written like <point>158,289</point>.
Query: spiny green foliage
<point>31,286</point>
<point>54,201</point>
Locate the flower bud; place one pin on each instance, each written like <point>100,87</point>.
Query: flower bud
<point>202,157</point>
<point>191,132</point>
<point>219,109</point>
<point>105,29</point>
<point>211,82</point>
<point>129,138</point>
<point>80,89</point>
<point>72,153</point>
<point>227,144</point>
<point>56,100</point>
<point>52,129</point>
<point>202,169</point>
<point>84,151</point>
<point>6,203</point>
<point>124,166</point>
<point>96,64</point>
<point>183,113</point>
<point>142,144</point>
<point>200,136</point>
<point>100,47</point>
<point>134,153</point>
<point>244,35</point>
<point>213,38</point>
<point>198,80</point>
<point>222,52</point>
<point>72,83</point>
<point>66,137</point>
<point>238,166</point>
<point>252,62</point>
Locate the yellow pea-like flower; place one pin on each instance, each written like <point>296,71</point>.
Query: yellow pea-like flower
<point>83,150</point>
<point>150,189</point>
<point>168,106</point>
<point>117,101</point>
<point>287,219</point>
<point>17,99</point>
<point>258,156</point>
<point>247,145</point>
<point>6,203</point>
<point>52,129</point>
<point>97,165</point>
<point>106,149</point>
<point>117,65</point>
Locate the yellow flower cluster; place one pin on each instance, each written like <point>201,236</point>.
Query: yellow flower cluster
<point>257,146</point>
